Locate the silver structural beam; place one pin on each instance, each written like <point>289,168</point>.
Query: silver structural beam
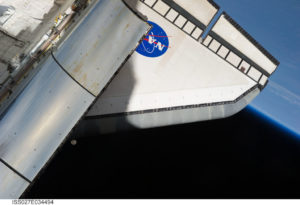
<point>53,102</point>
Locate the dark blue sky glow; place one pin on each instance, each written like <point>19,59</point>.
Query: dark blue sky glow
<point>275,24</point>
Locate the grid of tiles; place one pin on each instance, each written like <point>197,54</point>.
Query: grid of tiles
<point>234,59</point>
<point>212,44</point>
<point>174,17</point>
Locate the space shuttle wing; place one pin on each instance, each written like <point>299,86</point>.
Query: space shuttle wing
<point>255,59</point>
<point>177,77</point>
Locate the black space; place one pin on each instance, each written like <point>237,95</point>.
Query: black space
<point>243,156</point>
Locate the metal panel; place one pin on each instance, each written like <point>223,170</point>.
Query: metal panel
<point>227,31</point>
<point>110,29</point>
<point>23,23</point>
<point>40,118</point>
<point>53,102</point>
<point>32,18</point>
<point>11,185</point>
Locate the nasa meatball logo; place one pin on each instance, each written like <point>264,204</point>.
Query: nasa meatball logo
<point>155,44</point>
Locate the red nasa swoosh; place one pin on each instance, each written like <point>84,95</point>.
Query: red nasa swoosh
<point>146,39</point>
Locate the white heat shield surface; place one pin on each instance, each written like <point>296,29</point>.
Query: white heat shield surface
<point>203,10</point>
<point>179,71</point>
<point>199,12</point>
<point>233,34</point>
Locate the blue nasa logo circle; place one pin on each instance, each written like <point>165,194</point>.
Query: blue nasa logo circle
<point>155,44</point>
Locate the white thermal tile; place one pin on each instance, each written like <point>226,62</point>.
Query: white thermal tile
<point>244,66</point>
<point>214,45</point>
<point>149,2</point>
<point>202,10</point>
<point>254,73</point>
<point>189,27</point>
<point>234,37</point>
<point>233,59</point>
<point>197,32</point>
<point>161,7</point>
<point>180,21</point>
<point>263,80</point>
<point>172,15</point>
<point>207,40</point>
<point>223,51</point>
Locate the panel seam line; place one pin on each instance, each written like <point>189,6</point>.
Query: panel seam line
<point>70,75</point>
<point>15,171</point>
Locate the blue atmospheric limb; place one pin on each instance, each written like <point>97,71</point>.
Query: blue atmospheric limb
<point>275,23</point>
<point>155,44</point>
<point>281,125</point>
